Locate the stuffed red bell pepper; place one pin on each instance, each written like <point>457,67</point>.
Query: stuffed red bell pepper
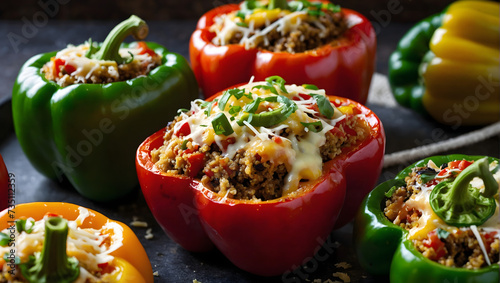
<point>264,171</point>
<point>304,42</point>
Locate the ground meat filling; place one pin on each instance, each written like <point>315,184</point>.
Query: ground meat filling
<point>244,176</point>
<point>308,35</point>
<point>461,249</point>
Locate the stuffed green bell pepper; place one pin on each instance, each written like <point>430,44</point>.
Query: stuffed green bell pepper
<point>80,112</point>
<point>447,65</point>
<point>436,221</point>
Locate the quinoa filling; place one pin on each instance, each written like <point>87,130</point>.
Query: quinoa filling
<point>280,30</point>
<point>258,162</point>
<point>71,66</point>
<point>447,245</point>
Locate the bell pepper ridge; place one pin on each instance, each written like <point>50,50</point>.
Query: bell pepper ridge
<point>53,264</point>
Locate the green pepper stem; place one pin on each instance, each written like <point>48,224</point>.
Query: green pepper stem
<point>273,4</point>
<point>53,265</point>
<point>458,204</point>
<point>480,169</point>
<point>110,48</point>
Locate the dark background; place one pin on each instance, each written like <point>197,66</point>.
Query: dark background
<point>411,10</point>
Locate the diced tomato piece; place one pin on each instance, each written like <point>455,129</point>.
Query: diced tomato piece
<point>356,111</point>
<point>434,242</point>
<point>305,96</point>
<point>337,132</point>
<point>458,164</point>
<point>209,173</point>
<point>453,164</point>
<point>350,132</point>
<point>144,49</point>
<point>227,142</point>
<point>432,182</point>
<point>102,265</point>
<point>443,172</point>
<point>196,163</point>
<point>464,164</point>
<point>228,170</point>
<point>184,130</point>
<point>277,139</point>
<point>50,214</point>
<point>106,268</point>
<point>69,68</point>
<point>489,238</point>
<point>58,64</point>
<point>191,150</point>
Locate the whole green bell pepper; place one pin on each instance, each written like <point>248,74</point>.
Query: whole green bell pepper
<point>383,248</point>
<point>405,61</point>
<point>90,132</point>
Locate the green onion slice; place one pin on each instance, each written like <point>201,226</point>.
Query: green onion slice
<point>236,92</point>
<point>221,125</point>
<point>314,127</point>
<point>271,118</point>
<point>184,145</point>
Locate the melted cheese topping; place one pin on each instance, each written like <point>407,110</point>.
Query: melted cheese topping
<point>90,247</point>
<point>430,221</point>
<point>299,152</point>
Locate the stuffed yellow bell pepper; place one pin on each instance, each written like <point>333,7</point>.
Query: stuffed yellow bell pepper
<point>62,243</point>
<point>448,65</point>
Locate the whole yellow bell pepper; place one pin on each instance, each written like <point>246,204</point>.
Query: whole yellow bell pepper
<point>448,65</point>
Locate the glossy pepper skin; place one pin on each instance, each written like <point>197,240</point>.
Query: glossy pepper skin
<point>269,237</point>
<point>447,65</point>
<point>4,185</point>
<point>89,132</point>
<point>131,258</point>
<point>344,68</point>
<point>383,248</point>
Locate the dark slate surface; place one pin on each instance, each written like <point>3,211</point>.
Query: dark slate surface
<point>404,129</point>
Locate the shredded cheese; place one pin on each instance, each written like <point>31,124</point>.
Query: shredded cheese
<point>481,243</point>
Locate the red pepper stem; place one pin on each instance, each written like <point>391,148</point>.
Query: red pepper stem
<point>110,48</point>
<point>53,265</point>
<point>282,4</point>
